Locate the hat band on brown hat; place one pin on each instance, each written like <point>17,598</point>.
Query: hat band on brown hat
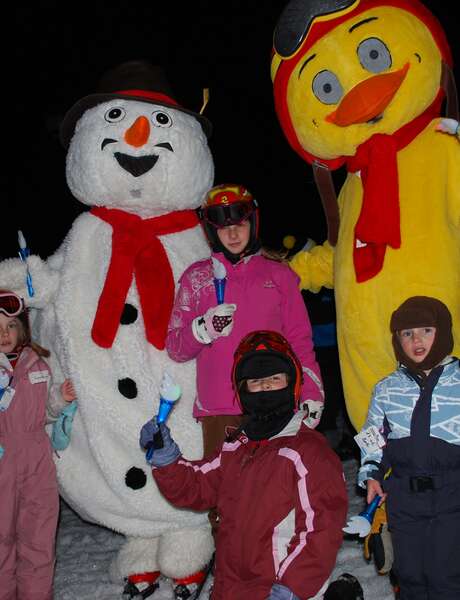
<point>155,96</point>
<point>138,81</point>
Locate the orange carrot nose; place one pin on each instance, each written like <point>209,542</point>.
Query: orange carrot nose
<point>368,99</point>
<point>138,134</point>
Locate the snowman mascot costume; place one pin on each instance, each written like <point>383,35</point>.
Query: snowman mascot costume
<point>142,163</point>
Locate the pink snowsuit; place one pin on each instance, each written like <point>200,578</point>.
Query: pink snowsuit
<point>267,297</point>
<point>29,500</point>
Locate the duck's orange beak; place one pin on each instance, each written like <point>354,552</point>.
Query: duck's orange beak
<point>368,99</point>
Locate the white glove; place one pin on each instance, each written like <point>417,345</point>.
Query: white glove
<point>314,410</point>
<point>216,322</point>
<point>449,126</point>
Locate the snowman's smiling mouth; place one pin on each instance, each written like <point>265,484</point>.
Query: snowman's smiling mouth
<point>136,165</point>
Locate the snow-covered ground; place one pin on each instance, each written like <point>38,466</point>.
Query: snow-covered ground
<point>84,552</point>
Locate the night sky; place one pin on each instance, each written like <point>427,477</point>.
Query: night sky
<point>63,48</point>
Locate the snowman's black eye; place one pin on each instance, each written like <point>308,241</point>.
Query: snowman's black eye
<point>113,115</point>
<point>161,119</point>
<point>374,56</point>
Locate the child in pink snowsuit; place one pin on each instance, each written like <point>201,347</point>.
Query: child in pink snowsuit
<point>259,293</point>
<point>29,501</point>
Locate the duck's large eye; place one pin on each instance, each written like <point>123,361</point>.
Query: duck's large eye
<point>161,119</point>
<point>327,87</point>
<point>115,114</point>
<point>374,56</point>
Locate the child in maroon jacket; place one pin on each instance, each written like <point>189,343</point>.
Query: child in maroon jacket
<point>29,505</point>
<point>278,487</point>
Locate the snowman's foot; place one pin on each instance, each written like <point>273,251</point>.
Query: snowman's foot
<point>141,585</point>
<point>188,588</point>
<point>183,552</point>
<point>137,555</point>
<point>185,592</point>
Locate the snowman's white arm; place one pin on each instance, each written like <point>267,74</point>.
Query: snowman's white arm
<point>13,276</point>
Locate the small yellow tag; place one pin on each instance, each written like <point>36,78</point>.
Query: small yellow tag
<point>205,99</point>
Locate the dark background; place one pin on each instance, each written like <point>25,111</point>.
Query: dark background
<point>63,48</point>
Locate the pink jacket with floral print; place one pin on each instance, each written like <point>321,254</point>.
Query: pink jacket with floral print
<point>267,296</point>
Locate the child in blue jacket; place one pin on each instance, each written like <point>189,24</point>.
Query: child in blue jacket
<point>413,428</point>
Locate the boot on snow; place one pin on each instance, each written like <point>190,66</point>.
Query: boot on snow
<point>190,588</point>
<point>141,585</point>
<point>346,587</point>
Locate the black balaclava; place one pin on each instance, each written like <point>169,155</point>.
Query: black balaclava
<point>423,311</point>
<point>268,411</point>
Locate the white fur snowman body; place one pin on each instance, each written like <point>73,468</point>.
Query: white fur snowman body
<point>147,160</point>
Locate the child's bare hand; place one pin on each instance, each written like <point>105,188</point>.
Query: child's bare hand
<point>374,489</point>
<point>67,392</point>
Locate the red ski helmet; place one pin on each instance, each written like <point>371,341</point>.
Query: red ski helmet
<point>266,344</point>
<point>228,204</point>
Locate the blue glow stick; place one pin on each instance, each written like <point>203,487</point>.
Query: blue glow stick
<point>169,394</point>
<point>24,253</point>
<point>220,279</point>
<point>362,523</point>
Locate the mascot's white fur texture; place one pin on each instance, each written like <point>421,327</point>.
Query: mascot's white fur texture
<point>103,474</point>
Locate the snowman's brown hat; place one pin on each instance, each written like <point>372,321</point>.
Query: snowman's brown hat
<point>132,80</point>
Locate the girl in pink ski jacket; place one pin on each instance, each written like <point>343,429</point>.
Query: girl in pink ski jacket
<point>260,293</point>
<point>29,501</point>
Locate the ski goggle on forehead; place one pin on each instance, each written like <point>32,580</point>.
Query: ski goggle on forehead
<point>10,304</point>
<point>223,215</point>
<point>264,340</point>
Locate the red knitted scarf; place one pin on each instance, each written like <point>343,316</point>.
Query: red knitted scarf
<point>378,225</point>
<point>137,250</point>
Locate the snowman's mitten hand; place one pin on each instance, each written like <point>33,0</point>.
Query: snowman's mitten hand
<point>45,281</point>
<point>216,322</point>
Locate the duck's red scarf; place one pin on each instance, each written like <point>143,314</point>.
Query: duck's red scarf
<point>378,225</point>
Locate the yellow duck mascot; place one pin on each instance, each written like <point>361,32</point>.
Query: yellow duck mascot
<point>360,83</point>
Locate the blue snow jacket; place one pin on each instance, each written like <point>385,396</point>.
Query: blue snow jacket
<point>392,405</point>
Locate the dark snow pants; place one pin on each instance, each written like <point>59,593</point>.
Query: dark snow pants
<point>423,506</point>
<point>425,530</point>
